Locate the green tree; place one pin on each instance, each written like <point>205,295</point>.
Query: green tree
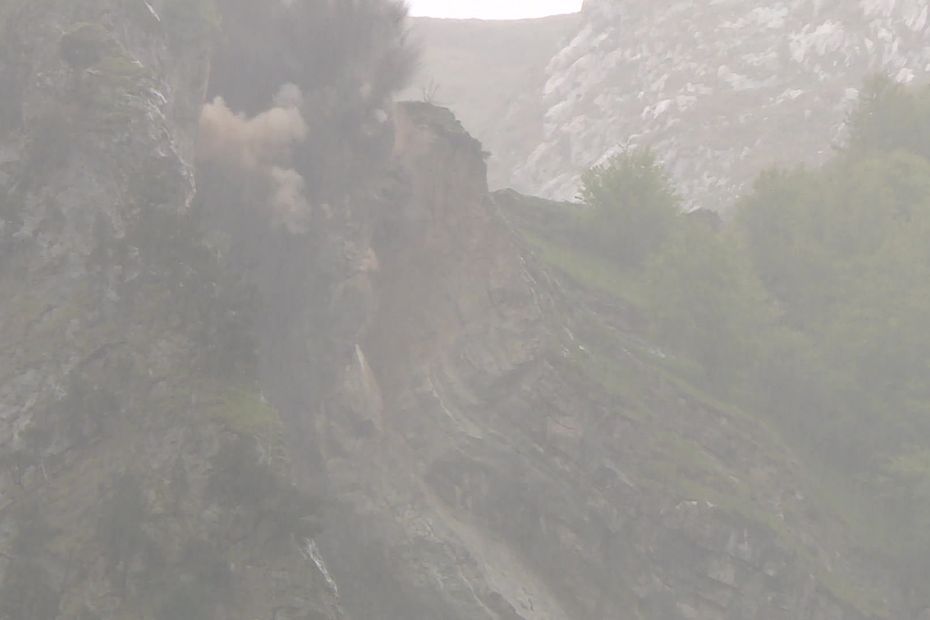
<point>844,251</point>
<point>632,205</point>
<point>781,228</point>
<point>708,304</point>
<point>890,116</point>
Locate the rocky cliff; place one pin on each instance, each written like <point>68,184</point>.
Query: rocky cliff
<point>490,74</point>
<point>495,450</point>
<point>130,418</point>
<point>719,89</point>
<point>417,421</point>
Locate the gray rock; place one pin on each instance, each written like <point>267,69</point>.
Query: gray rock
<point>720,89</point>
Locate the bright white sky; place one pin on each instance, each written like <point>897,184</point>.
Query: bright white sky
<point>493,9</point>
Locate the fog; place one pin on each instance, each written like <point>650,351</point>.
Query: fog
<point>512,9</point>
<point>332,310</point>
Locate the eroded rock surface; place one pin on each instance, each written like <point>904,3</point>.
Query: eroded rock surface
<point>112,410</point>
<point>480,470</point>
<point>720,89</point>
<point>488,445</point>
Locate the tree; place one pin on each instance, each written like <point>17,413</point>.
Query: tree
<point>632,205</point>
<point>890,116</point>
<point>780,225</point>
<point>707,303</point>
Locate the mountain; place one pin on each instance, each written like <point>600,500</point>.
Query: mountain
<point>131,423</point>
<point>271,349</point>
<point>720,89</point>
<point>498,451</point>
<point>490,73</point>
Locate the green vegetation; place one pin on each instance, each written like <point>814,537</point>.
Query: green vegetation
<point>808,311</point>
<point>247,414</point>
<point>85,44</point>
<point>207,299</point>
<point>891,117</point>
<point>590,269</point>
<point>706,302</point>
<point>632,205</point>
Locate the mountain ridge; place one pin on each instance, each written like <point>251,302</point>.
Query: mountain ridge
<point>394,408</point>
<point>755,86</point>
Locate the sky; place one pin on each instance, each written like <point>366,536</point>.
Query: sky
<point>492,9</point>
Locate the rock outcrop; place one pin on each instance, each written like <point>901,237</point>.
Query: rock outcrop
<point>485,444</point>
<point>495,450</point>
<point>114,408</point>
<point>490,74</point>
<point>719,89</point>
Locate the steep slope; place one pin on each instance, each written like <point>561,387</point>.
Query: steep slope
<point>490,73</point>
<point>127,416</point>
<point>720,89</point>
<point>496,450</point>
<point>487,442</point>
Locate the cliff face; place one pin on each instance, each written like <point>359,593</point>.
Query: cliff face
<point>483,443</point>
<point>118,420</point>
<point>720,89</point>
<point>490,74</point>
<point>495,450</point>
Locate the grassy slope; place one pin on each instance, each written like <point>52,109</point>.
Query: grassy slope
<point>618,324</point>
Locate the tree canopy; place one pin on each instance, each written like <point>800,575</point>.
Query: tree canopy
<point>811,308</point>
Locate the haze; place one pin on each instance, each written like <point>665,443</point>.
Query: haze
<point>320,310</point>
<point>493,9</point>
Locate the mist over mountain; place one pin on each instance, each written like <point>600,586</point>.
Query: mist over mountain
<point>720,90</point>
<point>272,348</point>
<point>491,75</point>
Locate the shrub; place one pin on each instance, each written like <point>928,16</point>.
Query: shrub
<point>890,116</point>
<point>632,205</point>
<point>707,303</point>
